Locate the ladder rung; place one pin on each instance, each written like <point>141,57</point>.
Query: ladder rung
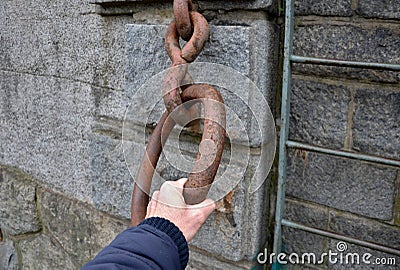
<point>334,62</point>
<point>340,153</point>
<point>337,236</point>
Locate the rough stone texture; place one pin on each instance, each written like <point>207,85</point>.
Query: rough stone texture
<point>299,241</point>
<point>228,234</point>
<point>63,40</point>
<point>376,127</point>
<point>46,134</point>
<point>129,6</point>
<point>232,46</point>
<point>347,42</point>
<point>229,5</point>
<point>43,252</point>
<point>62,68</point>
<point>8,256</point>
<point>365,229</point>
<point>79,231</point>
<point>377,43</point>
<point>18,214</point>
<point>385,9</point>
<point>200,261</point>
<point>323,8</point>
<point>333,182</point>
<point>112,182</point>
<point>319,113</point>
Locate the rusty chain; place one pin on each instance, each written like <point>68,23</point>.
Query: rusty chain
<point>178,89</point>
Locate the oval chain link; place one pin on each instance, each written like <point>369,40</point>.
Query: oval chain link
<point>192,27</point>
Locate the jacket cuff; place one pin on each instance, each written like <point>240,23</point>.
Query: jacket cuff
<point>174,233</point>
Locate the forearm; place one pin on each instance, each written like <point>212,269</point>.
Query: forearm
<point>155,243</point>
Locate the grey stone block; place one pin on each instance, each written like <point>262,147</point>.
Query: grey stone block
<point>318,113</point>
<point>108,103</point>
<point>146,42</point>
<point>8,256</point>
<point>203,5</point>
<point>42,252</point>
<point>323,8</point>
<point>224,234</point>
<point>45,123</point>
<point>306,213</point>
<point>365,229</point>
<point>233,5</point>
<point>345,184</point>
<point>18,213</point>
<point>300,242</point>
<point>51,48</point>
<point>348,42</point>
<point>46,10</point>
<point>67,40</point>
<point>200,261</point>
<point>233,46</point>
<point>387,9</point>
<point>112,182</point>
<point>376,126</point>
<point>80,231</point>
<point>296,241</point>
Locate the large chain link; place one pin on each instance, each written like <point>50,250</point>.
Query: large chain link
<point>177,87</point>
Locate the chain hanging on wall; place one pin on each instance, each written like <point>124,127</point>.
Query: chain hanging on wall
<point>178,89</point>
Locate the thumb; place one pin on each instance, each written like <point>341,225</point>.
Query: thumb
<point>178,183</point>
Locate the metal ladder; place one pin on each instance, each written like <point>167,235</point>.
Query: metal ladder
<point>285,143</point>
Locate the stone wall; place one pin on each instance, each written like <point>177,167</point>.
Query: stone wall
<point>349,109</point>
<point>68,70</point>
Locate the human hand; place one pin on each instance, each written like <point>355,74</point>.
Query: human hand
<point>169,203</point>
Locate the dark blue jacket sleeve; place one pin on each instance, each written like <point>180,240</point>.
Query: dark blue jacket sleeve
<point>156,243</point>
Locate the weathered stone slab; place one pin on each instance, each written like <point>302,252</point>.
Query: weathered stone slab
<point>200,261</point>
<point>345,184</point>
<point>18,213</point>
<point>297,241</point>
<point>64,40</point>
<point>366,229</point>
<point>376,125</point>
<point>228,45</point>
<point>387,9</point>
<point>45,123</point>
<point>131,5</point>
<point>43,252</point>
<point>112,182</point>
<point>319,113</point>
<point>348,42</point>
<point>323,8</point>
<point>232,5</point>
<point>79,231</point>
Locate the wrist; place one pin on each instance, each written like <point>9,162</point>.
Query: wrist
<point>174,233</point>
